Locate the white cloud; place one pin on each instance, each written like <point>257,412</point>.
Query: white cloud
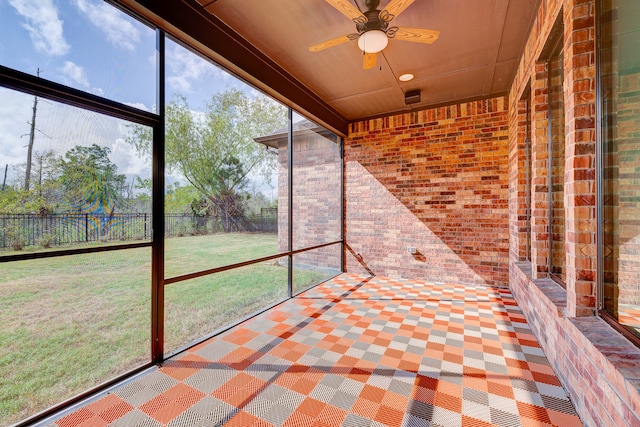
<point>117,28</point>
<point>140,106</point>
<point>187,68</point>
<point>43,24</point>
<point>15,113</point>
<point>75,74</point>
<point>128,160</point>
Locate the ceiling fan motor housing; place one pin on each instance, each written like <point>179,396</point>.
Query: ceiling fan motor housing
<point>373,22</point>
<point>372,4</point>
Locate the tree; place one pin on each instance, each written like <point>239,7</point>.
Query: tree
<point>140,194</point>
<point>90,180</point>
<point>215,150</point>
<point>47,186</point>
<point>44,194</point>
<point>257,200</point>
<point>18,201</point>
<point>180,199</point>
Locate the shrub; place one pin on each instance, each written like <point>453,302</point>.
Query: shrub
<point>46,240</point>
<point>184,228</point>
<point>15,239</point>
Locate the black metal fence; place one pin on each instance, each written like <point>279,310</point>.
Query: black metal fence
<point>18,231</point>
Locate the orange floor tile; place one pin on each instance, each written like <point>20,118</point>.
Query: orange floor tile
<point>355,351</point>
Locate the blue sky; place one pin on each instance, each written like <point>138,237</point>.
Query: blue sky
<point>92,46</point>
<point>86,44</point>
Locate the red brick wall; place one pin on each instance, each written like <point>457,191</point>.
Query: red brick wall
<point>599,368</point>
<point>316,196</point>
<point>591,359</point>
<point>435,180</point>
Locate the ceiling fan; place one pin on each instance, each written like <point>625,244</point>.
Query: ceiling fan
<point>373,28</point>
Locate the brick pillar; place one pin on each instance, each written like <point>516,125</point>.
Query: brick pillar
<point>580,184</point>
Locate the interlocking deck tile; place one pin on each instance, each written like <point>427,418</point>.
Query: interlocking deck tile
<point>355,351</point>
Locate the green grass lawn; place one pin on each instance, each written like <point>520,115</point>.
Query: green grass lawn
<point>72,322</point>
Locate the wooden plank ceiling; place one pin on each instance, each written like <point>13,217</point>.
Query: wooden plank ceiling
<point>267,42</point>
<point>476,55</point>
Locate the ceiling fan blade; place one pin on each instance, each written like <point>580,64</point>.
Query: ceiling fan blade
<point>393,9</point>
<point>333,42</point>
<point>348,10</point>
<point>370,60</point>
<point>419,35</point>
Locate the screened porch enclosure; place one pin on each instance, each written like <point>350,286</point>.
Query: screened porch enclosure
<point>204,222</point>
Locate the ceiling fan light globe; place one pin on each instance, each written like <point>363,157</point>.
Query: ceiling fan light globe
<point>373,41</point>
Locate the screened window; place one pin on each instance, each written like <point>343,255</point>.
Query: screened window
<point>619,28</point>
<point>222,155</point>
<point>524,176</point>
<point>548,161</point>
<point>557,259</point>
<point>71,318</point>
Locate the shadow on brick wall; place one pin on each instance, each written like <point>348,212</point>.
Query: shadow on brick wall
<point>429,200</point>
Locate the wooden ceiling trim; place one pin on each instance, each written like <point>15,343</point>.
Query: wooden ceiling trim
<point>422,107</point>
<point>499,17</point>
<point>206,3</point>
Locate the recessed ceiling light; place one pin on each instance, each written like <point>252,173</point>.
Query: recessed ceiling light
<point>406,77</point>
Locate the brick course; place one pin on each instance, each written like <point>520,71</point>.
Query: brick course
<point>435,180</point>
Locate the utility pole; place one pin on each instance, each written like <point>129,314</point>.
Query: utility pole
<point>32,135</point>
<point>4,181</point>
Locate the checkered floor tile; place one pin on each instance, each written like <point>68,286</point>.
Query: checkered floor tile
<point>355,352</point>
